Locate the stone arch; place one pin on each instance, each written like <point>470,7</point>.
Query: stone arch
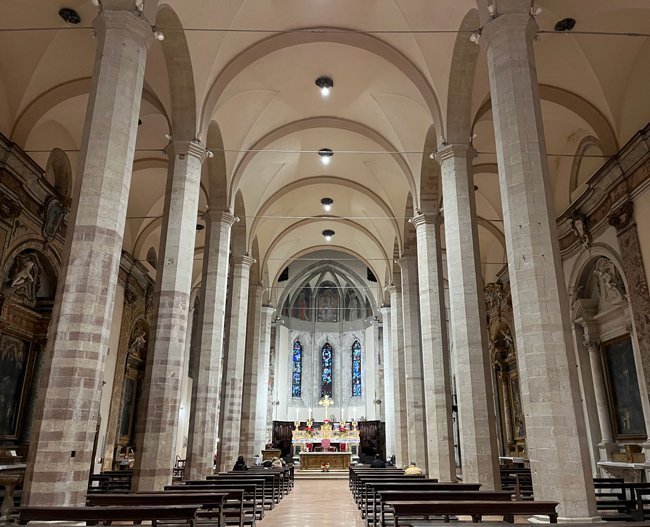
<point>410,242</point>
<point>342,36</point>
<point>238,232</point>
<point>322,122</point>
<point>179,72</point>
<point>59,171</point>
<point>61,93</point>
<point>586,144</point>
<point>430,179</point>
<point>216,170</point>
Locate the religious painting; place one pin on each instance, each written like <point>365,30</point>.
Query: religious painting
<point>128,406</point>
<point>356,369</point>
<point>518,422</point>
<point>623,389</point>
<point>327,303</point>
<point>353,309</point>
<point>296,370</point>
<point>301,306</point>
<point>14,367</point>
<point>327,368</point>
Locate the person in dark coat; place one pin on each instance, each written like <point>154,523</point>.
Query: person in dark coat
<point>377,462</point>
<point>240,464</point>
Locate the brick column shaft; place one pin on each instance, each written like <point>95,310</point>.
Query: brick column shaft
<point>476,412</point>
<point>68,406</point>
<point>156,441</point>
<point>549,386</point>
<point>233,383</point>
<point>399,375</point>
<point>435,349</point>
<point>206,387</point>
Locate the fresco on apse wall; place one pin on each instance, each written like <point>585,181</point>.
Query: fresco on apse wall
<point>302,305</point>
<point>353,307</point>
<point>327,303</point>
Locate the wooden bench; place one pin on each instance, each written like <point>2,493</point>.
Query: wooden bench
<point>123,513</point>
<point>475,509</point>
<point>212,502</point>
<point>384,496</point>
<point>616,499</point>
<point>250,509</point>
<point>425,485</point>
<point>263,492</point>
<point>273,482</point>
<point>641,499</point>
<point>361,493</point>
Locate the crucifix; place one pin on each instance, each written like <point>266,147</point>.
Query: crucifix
<point>326,402</point>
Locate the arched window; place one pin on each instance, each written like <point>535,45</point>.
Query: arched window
<point>296,370</point>
<point>326,370</point>
<point>356,369</point>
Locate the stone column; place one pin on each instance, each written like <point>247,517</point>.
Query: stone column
<point>476,412</point>
<point>389,391</point>
<point>415,414</point>
<point>68,406</point>
<point>251,369</point>
<point>606,444</point>
<point>202,437</point>
<point>399,379</point>
<point>435,349</point>
<point>549,387</point>
<point>263,378</point>
<point>231,406</point>
<point>156,444</point>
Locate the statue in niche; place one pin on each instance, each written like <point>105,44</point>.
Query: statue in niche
<point>580,227</point>
<point>611,283</point>
<point>55,212</point>
<point>138,341</point>
<point>328,304</point>
<point>24,279</point>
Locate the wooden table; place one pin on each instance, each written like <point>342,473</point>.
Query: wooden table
<point>314,460</point>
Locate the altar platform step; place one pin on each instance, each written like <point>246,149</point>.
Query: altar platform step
<point>317,474</point>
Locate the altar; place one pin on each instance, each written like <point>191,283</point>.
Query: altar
<point>314,460</point>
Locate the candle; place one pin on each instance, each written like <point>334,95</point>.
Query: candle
<point>296,414</point>
<point>354,412</point>
<point>310,413</point>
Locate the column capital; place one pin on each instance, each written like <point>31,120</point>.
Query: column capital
<point>508,23</point>
<point>390,289</point>
<point>220,216</point>
<point>186,148</point>
<point>124,19</point>
<point>244,260</point>
<point>268,307</point>
<point>622,217</point>
<point>450,151</point>
<point>420,219</point>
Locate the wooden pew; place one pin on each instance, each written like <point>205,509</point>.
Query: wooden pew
<point>361,496</point>
<point>270,490</point>
<point>212,502</point>
<point>640,511</point>
<point>615,499</point>
<point>476,509</point>
<point>408,484</point>
<point>252,506</point>
<point>359,478</point>
<point>384,496</point>
<point>134,514</point>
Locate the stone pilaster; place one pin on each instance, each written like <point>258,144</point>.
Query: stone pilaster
<point>639,296</point>
<point>68,407</point>
<point>263,378</point>
<point>435,349</point>
<point>202,438</point>
<point>231,406</point>
<point>549,385</point>
<point>389,384</point>
<point>475,396</point>
<point>415,415</point>
<point>156,444</point>
<point>399,376</point>
<point>251,370</point>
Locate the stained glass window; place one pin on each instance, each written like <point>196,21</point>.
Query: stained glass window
<point>296,371</point>
<point>356,369</point>
<point>326,370</point>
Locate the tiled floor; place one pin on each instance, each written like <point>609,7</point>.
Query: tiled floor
<point>315,503</point>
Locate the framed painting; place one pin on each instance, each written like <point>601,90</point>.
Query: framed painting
<point>516,411</point>
<point>15,367</point>
<point>623,389</point>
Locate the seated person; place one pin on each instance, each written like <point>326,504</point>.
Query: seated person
<point>377,462</point>
<point>413,470</point>
<point>240,464</point>
<point>268,463</point>
<point>276,462</point>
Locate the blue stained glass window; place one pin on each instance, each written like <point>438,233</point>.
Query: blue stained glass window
<point>296,371</point>
<point>326,370</point>
<point>356,369</point>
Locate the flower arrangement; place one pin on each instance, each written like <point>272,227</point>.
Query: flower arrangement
<point>326,421</point>
<point>342,429</point>
<point>309,429</point>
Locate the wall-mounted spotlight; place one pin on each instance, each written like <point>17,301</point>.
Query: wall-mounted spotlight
<point>325,84</point>
<point>325,155</point>
<point>327,204</point>
<point>157,33</point>
<point>69,15</point>
<point>328,234</point>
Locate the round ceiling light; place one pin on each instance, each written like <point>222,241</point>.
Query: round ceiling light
<point>327,204</point>
<point>328,234</point>
<point>69,15</point>
<point>325,155</point>
<point>566,24</point>
<point>325,84</point>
